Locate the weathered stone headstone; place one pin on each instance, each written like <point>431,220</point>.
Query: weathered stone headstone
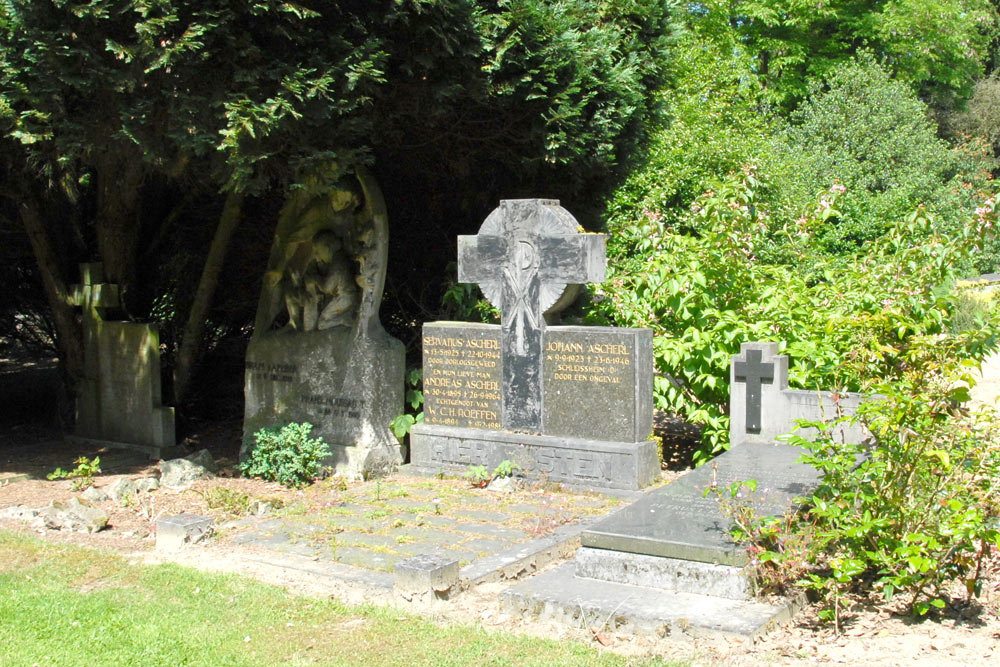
<point>759,383</point>
<point>119,402</point>
<point>669,558</point>
<point>567,402</point>
<point>319,353</point>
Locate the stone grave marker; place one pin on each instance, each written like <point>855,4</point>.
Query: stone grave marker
<point>319,353</point>
<point>758,380</point>
<point>119,402</point>
<point>571,403</point>
<point>669,557</point>
<point>761,408</point>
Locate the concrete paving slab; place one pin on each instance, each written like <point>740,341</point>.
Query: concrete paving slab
<point>559,596</point>
<point>533,510</point>
<point>491,530</point>
<point>366,558</point>
<point>356,539</point>
<point>525,558</point>
<point>484,545</point>
<point>481,515</point>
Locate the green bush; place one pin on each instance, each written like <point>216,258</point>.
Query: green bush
<point>714,127</point>
<point>918,513</point>
<point>746,275</point>
<point>871,134</point>
<point>286,455</point>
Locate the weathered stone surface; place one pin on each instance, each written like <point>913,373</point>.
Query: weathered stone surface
<point>349,389</point>
<point>598,383</point>
<point>571,404</point>
<point>203,458</point>
<point>680,521</point>
<point>122,488</point>
<point>147,484</point>
<point>526,253</point>
<point>762,406</point>
<point>176,532</point>
<point>587,463</point>
<point>74,515</point>
<point>319,353</point>
<point>95,495</point>
<point>669,574</point>
<point>503,484</point>
<point>22,512</point>
<point>180,474</point>
<point>119,400</point>
<point>557,595</point>
<point>425,574</point>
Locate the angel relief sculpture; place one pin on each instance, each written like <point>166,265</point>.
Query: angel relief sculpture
<point>327,264</point>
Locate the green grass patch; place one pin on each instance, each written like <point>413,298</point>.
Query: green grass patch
<point>65,605</point>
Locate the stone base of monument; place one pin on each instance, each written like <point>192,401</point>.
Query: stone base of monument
<point>153,451</point>
<point>348,387</point>
<point>668,561</point>
<point>668,574</point>
<point>558,595</point>
<point>587,463</point>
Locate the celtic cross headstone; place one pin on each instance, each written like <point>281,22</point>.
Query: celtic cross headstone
<point>525,255</point>
<point>568,403</point>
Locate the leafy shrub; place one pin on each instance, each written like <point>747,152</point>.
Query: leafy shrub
<point>286,455</point>
<point>83,472</point>
<point>715,127</point>
<point>478,475</point>
<point>745,275</point>
<point>917,514</point>
<point>402,424</point>
<point>874,136</point>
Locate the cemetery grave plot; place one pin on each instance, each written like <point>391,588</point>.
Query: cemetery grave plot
<point>571,404</point>
<point>367,524</point>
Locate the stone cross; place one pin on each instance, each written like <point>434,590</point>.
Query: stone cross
<point>93,293</point>
<point>526,253</point>
<point>753,372</point>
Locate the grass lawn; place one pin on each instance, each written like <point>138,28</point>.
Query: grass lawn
<point>65,605</point>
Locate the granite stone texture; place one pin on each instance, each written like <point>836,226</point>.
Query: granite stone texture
<point>683,519</point>
<point>175,532</point>
<point>349,389</point>
<point>526,254</point>
<point>586,463</point>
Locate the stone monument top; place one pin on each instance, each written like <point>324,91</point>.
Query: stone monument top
<point>526,254</point>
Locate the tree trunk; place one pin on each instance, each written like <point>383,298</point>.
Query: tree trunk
<point>194,330</point>
<point>69,339</point>
<point>120,174</point>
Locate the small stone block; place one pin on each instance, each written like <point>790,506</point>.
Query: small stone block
<point>425,573</point>
<point>173,533</point>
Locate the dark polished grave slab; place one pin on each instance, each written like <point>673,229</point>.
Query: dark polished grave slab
<point>680,521</point>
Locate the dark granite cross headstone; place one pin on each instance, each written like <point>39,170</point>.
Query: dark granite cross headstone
<point>753,372</point>
<point>526,253</point>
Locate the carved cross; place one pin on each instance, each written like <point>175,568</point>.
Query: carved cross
<point>526,253</point>
<point>753,372</point>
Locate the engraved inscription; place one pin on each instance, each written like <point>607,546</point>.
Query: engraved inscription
<point>261,371</point>
<point>593,363</point>
<point>591,383</point>
<point>462,377</point>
